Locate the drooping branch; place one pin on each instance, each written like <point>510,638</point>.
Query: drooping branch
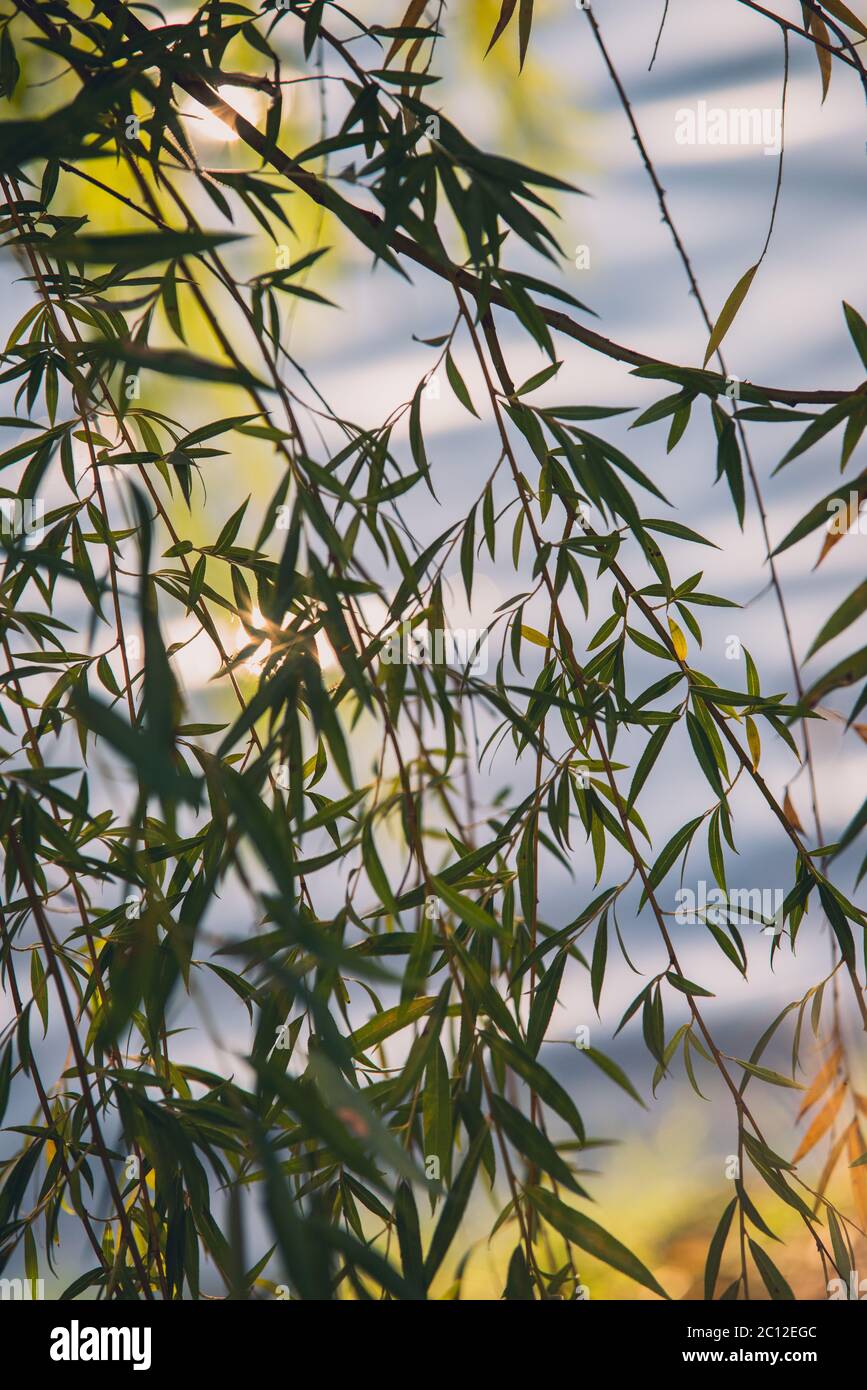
<point>398,242</point>
<point>851,58</point>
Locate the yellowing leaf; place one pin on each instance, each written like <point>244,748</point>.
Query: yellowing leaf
<point>533,636</point>
<point>755,743</point>
<point>823,55</point>
<point>728,311</point>
<point>678,639</point>
<point>841,11</point>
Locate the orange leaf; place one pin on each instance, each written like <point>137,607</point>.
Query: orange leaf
<point>821,1123</point>
<point>858,1175</point>
<point>836,530</point>
<point>820,1084</point>
<point>830,1165</point>
<point>790,813</point>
